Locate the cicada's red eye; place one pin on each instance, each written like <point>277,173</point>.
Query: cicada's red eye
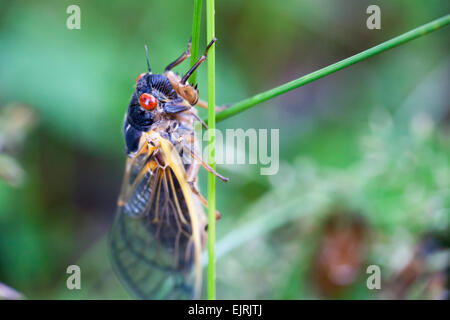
<point>147,101</point>
<point>140,76</point>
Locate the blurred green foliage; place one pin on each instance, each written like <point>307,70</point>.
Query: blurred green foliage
<point>371,139</point>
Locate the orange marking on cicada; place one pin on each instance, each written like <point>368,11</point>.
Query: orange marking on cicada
<point>141,174</point>
<point>156,219</point>
<point>125,194</point>
<point>140,76</point>
<point>177,204</point>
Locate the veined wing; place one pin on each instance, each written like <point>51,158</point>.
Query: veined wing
<point>155,242</point>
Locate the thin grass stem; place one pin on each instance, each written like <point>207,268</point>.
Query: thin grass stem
<point>210,34</point>
<point>196,23</point>
<point>272,93</point>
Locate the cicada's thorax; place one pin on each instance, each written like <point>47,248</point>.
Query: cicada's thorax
<point>173,118</point>
<point>179,131</point>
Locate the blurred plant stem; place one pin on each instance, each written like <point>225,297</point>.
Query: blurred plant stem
<point>196,22</point>
<point>211,152</point>
<point>272,93</point>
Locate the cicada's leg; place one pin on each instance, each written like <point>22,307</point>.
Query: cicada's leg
<point>208,168</point>
<point>203,200</point>
<point>204,105</point>
<point>191,178</point>
<point>191,174</point>
<point>197,64</point>
<point>195,115</point>
<point>176,106</point>
<point>183,57</point>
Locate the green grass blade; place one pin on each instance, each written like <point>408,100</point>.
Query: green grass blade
<point>196,22</point>
<point>211,152</point>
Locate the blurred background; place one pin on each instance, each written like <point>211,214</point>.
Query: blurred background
<point>364,173</point>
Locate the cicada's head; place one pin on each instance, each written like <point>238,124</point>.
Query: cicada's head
<point>152,92</point>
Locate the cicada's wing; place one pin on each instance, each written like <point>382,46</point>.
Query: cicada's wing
<point>155,242</point>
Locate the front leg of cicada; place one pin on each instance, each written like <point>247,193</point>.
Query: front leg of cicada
<point>176,106</point>
<point>198,63</point>
<point>183,57</point>
<point>180,85</point>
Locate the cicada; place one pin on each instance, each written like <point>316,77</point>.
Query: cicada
<point>160,228</point>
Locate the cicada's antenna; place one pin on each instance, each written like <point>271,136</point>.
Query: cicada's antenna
<point>146,57</point>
